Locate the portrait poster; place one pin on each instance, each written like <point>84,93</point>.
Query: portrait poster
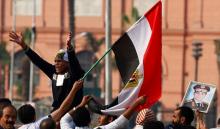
<point>199,96</point>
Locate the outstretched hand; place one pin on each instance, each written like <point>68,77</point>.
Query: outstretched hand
<point>85,100</point>
<point>141,100</point>
<point>14,37</point>
<point>78,85</point>
<point>68,40</point>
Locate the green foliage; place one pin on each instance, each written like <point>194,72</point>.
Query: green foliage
<point>27,35</point>
<point>133,18</point>
<point>4,56</point>
<point>135,14</point>
<point>95,43</point>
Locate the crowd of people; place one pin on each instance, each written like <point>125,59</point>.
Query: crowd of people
<point>70,110</point>
<point>79,117</point>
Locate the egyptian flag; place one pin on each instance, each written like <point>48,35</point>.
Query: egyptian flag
<point>138,57</point>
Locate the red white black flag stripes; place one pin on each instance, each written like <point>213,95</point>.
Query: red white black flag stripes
<point>138,57</point>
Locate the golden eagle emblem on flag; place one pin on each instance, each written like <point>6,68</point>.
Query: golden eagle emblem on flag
<point>134,80</point>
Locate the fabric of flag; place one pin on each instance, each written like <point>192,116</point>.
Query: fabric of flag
<point>138,57</point>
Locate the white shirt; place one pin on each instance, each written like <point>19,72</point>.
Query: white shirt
<point>138,127</point>
<point>67,122</point>
<point>33,125</point>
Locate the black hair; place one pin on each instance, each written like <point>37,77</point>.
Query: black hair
<point>81,117</point>
<point>26,114</point>
<point>5,101</point>
<point>153,125</point>
<point>48,123</point>
<point>186,112</point>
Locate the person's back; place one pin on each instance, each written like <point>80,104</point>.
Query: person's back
<point>27,116</point>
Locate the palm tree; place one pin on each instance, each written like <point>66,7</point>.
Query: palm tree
<point>4,60</point>
<point>71,5</point>
<point>129,20</point>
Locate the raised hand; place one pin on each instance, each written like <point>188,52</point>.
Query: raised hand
<point>85,100</point>
<point>141,100</point>
<point>68,40</point>
<point>78,85</point>
<point>14,37</point>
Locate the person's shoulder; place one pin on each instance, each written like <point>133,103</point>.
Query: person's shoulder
<point>189,101</point>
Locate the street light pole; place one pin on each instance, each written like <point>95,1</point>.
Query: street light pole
<point>197,53</point>
<point>11,81</point>
<point>33,33</point>
<point>108,75</point>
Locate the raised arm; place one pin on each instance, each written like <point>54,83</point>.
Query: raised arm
<point>46,67</point>
<point>129,112</point>
<point>123,119</point>
<point>57,114</point>
<point>75,68</point>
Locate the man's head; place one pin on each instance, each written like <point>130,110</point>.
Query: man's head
<point>81,117</point>
<point>61,62</point>
<point>8,115</point>
<point>200,91</point>
<point>105,119</point>
<point>48,123</point>
<point>183,116</point>
<point>26,114</point>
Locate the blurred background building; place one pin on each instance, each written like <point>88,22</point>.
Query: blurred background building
<point>184,23</point>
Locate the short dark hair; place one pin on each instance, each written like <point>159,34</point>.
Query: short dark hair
<point>26,114</point>
<point>48,123</point>
<point>5,101</point>
<point>153,125</point>
<point>186,112</point>
<point>81,117</point>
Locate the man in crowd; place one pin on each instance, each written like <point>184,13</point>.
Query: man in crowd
<point>27,116</point>
<point>182,119</point>
<point>8,116</point>
<point>200,92</point>
<point>74,117</point>
<point>63,74</point>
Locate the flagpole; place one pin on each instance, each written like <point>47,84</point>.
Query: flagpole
<point>11,81</point>
<point>97,62</point>
<point>108,75</point>
<point>32,45</point>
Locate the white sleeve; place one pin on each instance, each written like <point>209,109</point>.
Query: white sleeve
<point>33,125</point>
<point>119,123</point>
<point>138,127</point>
<point>66,122</point>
